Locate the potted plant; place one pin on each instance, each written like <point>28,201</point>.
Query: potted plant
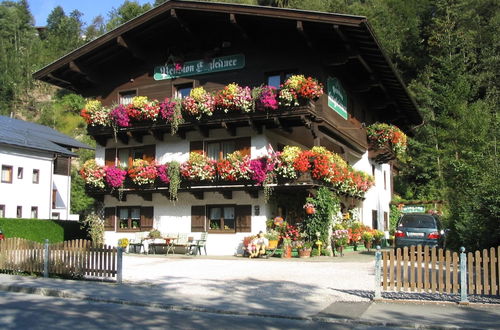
<point>305,250</point>
<point>273,236</point>
<point>287,248</point>
<point>309,207</point>
<point>154,233</point>
<point>367,238</point>
<point>340,238</point>
<point>377,236</point>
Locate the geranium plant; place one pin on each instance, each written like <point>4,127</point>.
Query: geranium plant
<point>95,114</point>
<point>198,103</point>
<point>93,174</point>
<point>115,176</point>
<point>234,98</point>
<point>265,97</point>
<point>235,167</point>
<point>141,108</point>
<point>142,172</point>
<point>381,135</point>
<point>198,168</point>
<point>170,111</point>
<point>297,88</point>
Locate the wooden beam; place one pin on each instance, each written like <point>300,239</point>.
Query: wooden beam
<point>228,194</point>
<point>137,136</point>
<point>300,28</point>
<point>181,22</point>
<point>146,196</point>
<point>198,194</point>
<point>232,19</point>
<point>256,127</point>
<point>102,140</point>
<point>89,75</point>
<point>123,137</point>
<point>253,193</point>
<point>133,48</point>
<point>204,130</point>
<point>282,125</point>
<point>181,134</point>
<point>157,134</point>
<point>51,76</point>
<point>230,128</point>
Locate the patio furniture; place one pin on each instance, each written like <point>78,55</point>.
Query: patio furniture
<point>170,240</point>
<point>136,243</point>
<point>182,242</point>
<point>195,248</point>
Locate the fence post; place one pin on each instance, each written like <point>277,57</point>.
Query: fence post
<point>378,258</point>
<point>119,265</point>
<point>463,277</point>
<point>46,259</point>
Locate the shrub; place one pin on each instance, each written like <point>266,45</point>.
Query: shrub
<point>38,230</point>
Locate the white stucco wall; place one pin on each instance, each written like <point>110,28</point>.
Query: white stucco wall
<point>170,217</point>
<point>23,192</point>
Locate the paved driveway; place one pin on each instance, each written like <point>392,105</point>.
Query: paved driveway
<point>307,287</point>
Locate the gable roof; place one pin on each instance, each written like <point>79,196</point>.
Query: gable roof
<point>24,134</point>
<point>353,37</point>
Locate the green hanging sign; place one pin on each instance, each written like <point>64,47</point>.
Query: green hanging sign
<point>337,97</point>
<point>193,68</point>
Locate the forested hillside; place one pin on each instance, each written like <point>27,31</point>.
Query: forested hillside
<point>447,51</point>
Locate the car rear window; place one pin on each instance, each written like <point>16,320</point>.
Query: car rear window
<point>417,221</point>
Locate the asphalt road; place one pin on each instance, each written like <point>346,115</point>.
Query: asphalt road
<point>25,311</point>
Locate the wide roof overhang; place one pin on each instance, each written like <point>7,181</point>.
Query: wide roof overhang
<point>348,42</point>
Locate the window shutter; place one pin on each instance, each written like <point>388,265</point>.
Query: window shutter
<point>109,218</point>
<point>198,218</point>
<point>243,146</point>
<point>109,156</point>
<point>147,218</point>
<point>196,146</point>
<point>149,153</point>
<point>244,218</point>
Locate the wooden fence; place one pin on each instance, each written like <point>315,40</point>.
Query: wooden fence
<point>420,269</point>
<point>77,258</point>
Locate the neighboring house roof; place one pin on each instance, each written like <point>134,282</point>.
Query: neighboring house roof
<point>86,68</point>
<point>29,135</point>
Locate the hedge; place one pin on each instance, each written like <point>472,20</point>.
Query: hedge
<point>38,230</point>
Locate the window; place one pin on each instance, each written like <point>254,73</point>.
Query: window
<point>62,165</point>
<point>54,198</point>
<point>34,212</point>
<point>126,97</point>
<point>385,180</point>
<point>124,157</point>
<point>36,176</point>
<point>183,90</point>
<point>219,149</point>
<point>6,174</point>
<point>130,218</point>
<point>19,173</point>
<point>221,218</point>
<point>19,212</point>
<point>275,79</point>
<point>55,216</point>
<point>374,219</point>
<point>2,211</point>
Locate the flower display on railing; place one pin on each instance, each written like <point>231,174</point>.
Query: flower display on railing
<point>95,114</point>
<point>114,176</point>
<point>93,174</point>
<point>266,98</point>
<point>320,163</point>
<point>232,98</point>
<point>198,103</point>
<point>235,167</point>
<point>143,172</point>
<point>381,135</point>
<point>298,88</point>
<point>199,168</point>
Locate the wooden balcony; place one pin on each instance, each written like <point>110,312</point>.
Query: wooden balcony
<point>284,119</point>
<point>381,155</point>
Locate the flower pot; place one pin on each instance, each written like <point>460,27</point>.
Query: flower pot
<point>368,245</point>
<point>287,252</point>
<point>273,244</point>
<point>310,210</point>
<point>306,253</point>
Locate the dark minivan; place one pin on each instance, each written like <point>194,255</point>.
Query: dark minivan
<point>419,229</point>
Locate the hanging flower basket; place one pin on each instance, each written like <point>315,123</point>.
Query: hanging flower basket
<point>309,208</point>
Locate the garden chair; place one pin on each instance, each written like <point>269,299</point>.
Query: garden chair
<point>182,241</point>
<point>195,248</point>
<point>136,243</point>
<point>171,239</point>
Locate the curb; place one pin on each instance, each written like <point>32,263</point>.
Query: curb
<point>58,293</point>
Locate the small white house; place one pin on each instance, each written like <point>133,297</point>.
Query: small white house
<point>35,165</point>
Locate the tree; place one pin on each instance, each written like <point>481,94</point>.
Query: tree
<point>127,11</point>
